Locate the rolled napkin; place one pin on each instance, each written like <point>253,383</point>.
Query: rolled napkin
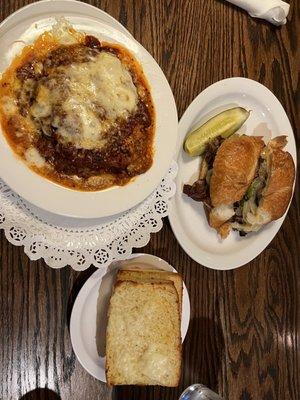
<point>274,11</point>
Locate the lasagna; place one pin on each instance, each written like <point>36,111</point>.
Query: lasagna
<point>78,111</point>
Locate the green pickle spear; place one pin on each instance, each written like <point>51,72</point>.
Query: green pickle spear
<point>224,124</point>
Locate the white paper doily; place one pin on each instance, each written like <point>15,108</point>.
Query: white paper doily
<point>64,241</point>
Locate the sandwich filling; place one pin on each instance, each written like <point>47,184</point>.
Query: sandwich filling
<point>244,215</point>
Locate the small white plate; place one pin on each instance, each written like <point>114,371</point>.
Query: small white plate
<point>26,25</point>
<point>187,217</point>
<point>88,318</point>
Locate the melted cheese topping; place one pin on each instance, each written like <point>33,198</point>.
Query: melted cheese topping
<point>154,363</point>
<point>33,157</point>
<point>9,106</point>
<point>95,95</point>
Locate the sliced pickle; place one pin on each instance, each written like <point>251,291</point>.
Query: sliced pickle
<point>224,124</point>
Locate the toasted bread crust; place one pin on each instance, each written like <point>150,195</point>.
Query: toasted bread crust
<point>152,275</point>
<point>214,221</point>
<point>219,215</point>
<point>279,187</point>
<point>224,230</point>
<point>234,169</point>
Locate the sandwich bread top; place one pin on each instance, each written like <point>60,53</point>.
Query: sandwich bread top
<point>234,169</point>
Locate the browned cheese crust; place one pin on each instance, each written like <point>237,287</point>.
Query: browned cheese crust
<point>234,169</point>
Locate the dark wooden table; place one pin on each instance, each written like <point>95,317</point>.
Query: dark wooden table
<point>244,336</point>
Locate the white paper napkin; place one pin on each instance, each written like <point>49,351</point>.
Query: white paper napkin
<point>274,11</point>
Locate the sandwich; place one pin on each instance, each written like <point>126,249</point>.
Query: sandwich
<point>243,183</point>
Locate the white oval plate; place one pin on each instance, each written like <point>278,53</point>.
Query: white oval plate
<point>26,25</point>
<point>187,217</point>
<point>88,318</point>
